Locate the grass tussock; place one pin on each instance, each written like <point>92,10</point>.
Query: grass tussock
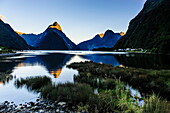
<point>33,83</point>
<point>155,104</point>
<point>69,92</point>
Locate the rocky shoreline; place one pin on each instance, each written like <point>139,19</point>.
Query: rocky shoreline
<point>40,106</point>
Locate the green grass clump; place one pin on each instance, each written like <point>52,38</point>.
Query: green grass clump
<point>118,99</point>
<point>95,81</point>
<point>71,93</point>
<point>154,104</point>
<point>33,83</point>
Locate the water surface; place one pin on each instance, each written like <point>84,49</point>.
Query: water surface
<point>53,64</point>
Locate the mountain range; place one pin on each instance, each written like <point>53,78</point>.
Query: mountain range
<point>107,40</point>
<point>150,29</point>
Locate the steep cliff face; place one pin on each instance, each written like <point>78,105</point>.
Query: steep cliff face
<point>150,28</point>
<point>107,40</point>
<point>51,39</point>
<point>10,39</point>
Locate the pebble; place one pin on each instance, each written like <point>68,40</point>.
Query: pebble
<point>61,103</point>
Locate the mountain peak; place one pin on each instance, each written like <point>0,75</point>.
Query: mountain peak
<point>1,20</point>
<point>122,33</point>
<point>56,26</point>
<point>109,31</point>
<point>101,35</point>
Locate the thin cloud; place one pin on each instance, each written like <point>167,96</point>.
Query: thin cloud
<point>2,17</point>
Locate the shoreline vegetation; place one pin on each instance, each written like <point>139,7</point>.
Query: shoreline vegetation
<point>4,50</point>
<point>99,88</point>
<point>131,50</point>
<point>146,80</point>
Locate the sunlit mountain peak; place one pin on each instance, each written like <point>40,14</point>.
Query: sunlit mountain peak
<point>101,35</point>
<point>20,33</point>
<point>122,33</point>
<point>56,25</point>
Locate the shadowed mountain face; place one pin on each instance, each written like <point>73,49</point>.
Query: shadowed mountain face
<point>107,40</point>
<point>150,28</point>
<point>51,39</point>
<point>10,39</point>
<point>31,39</point>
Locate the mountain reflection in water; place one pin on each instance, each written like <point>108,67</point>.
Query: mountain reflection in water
<point>53,63</point>
<point>146,61</point>
<point>102,58</point>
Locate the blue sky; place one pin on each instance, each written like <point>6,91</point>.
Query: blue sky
<point>80,19</point>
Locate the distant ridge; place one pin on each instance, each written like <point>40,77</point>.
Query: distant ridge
<point>107,40</point>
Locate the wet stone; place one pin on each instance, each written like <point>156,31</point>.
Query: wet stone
<point>31,103</point>
<point>37,100</point>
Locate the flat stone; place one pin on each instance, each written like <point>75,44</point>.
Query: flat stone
<point>41,111</point>
<point>61,103</point>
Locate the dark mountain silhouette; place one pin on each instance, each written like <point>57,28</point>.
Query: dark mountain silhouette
<point>106,40</point>
<point>150,29</point>
<point>51,39</point>
<point>10,39</point>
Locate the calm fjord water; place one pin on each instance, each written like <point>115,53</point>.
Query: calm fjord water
<point>53,64</point>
